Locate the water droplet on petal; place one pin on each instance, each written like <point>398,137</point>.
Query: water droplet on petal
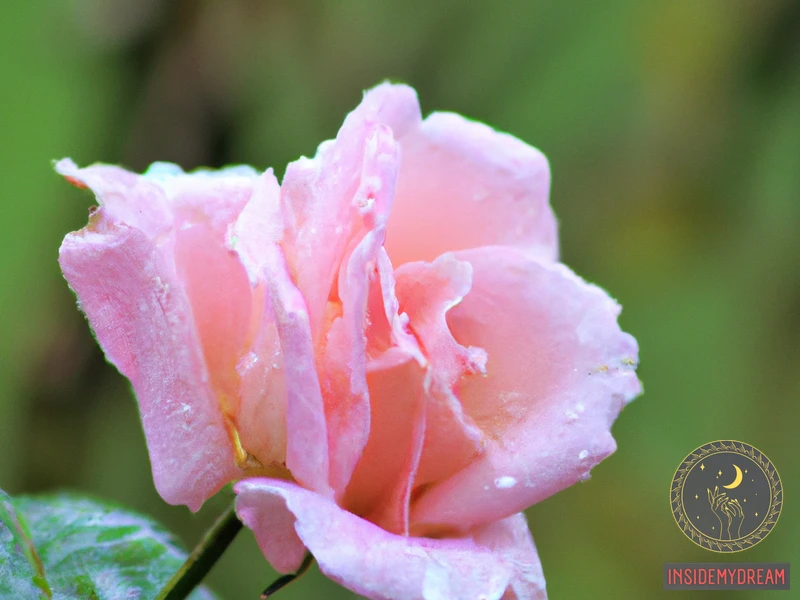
<point>505,482</point>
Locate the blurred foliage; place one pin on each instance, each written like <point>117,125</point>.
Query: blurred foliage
<point>673,130</point>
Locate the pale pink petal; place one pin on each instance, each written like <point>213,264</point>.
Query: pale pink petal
<point>204,204</point>
<point>388,326</point>
<point>511,539</point>
<point>393,104</point>
<point>215,197</point>
<point>380,565</point>
<point>343,365</point>
<point>344,358</point>
<point>426,292</point>
<point>335,208</point>
<point>125,197</point>
<point>165,197</point>
<point>325,199</point>
<point>220,296</point>
<point>187,217</point>
<point>559,371</point>
<point>264,512</point>
<point>258,226</point>
<point>463,185</point>
<point>136,304</point>
<point>261,419</point>
<point>381,484</point>
<point>254,238</point>
<point>307,444</point>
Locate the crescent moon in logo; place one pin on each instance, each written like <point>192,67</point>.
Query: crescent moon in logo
<point>736,481</point>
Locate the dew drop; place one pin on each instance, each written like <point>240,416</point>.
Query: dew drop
<point>583,454</point>
<point>505,482</point>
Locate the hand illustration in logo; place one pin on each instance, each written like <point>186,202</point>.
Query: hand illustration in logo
<point>716,500</point>
<point>733,510</point>
<point>728,511</point>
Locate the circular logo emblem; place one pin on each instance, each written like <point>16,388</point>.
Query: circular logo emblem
<point>726,496</point>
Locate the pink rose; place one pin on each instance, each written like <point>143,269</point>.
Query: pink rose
<point>383,350</point>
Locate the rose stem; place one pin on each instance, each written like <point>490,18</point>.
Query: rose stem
<point>281,582</point>
<point>206,553</point>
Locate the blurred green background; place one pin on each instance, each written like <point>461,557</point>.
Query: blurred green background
<point>673,131</point>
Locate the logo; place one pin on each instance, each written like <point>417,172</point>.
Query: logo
<point>726,496</point>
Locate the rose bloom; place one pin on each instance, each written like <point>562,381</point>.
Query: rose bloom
<point>384,351</point>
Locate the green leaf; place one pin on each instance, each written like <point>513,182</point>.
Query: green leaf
<point>16,535</point>
<point>67,547</point>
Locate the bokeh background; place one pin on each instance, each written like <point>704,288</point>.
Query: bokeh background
<point>673,131</point>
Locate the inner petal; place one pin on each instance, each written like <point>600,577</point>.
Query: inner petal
<point>426,292</point>
<point>220,297</point>
<point>380,487</point>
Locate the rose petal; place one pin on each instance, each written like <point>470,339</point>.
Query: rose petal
<point>125,197</point>
<point>380,565</point>
<point>220,296</point>
<point>559,372</point>
<point>135,302</point>
<point>175,226</point>
<point>255,240</point>
<point>381,484</point>
<point>511,539</point>
<point>326,200</point>
<point>426,292</point>
<point>395,105</point>
<point>307,447</point>
<point>261,419</point>
<point>463,185</point>
<point>388,326</point>
<point>265,514</point>
<point>344,358</point>
<point>215,197</point>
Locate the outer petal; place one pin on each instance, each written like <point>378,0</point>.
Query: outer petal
<point>463,185</point>
<point>129,290</point>
<point>381,565</point>
<point>125,197</point>
<point>178,222</point>
<point>559,372</point>
<point>256,242</point>
<point>512,540</point>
